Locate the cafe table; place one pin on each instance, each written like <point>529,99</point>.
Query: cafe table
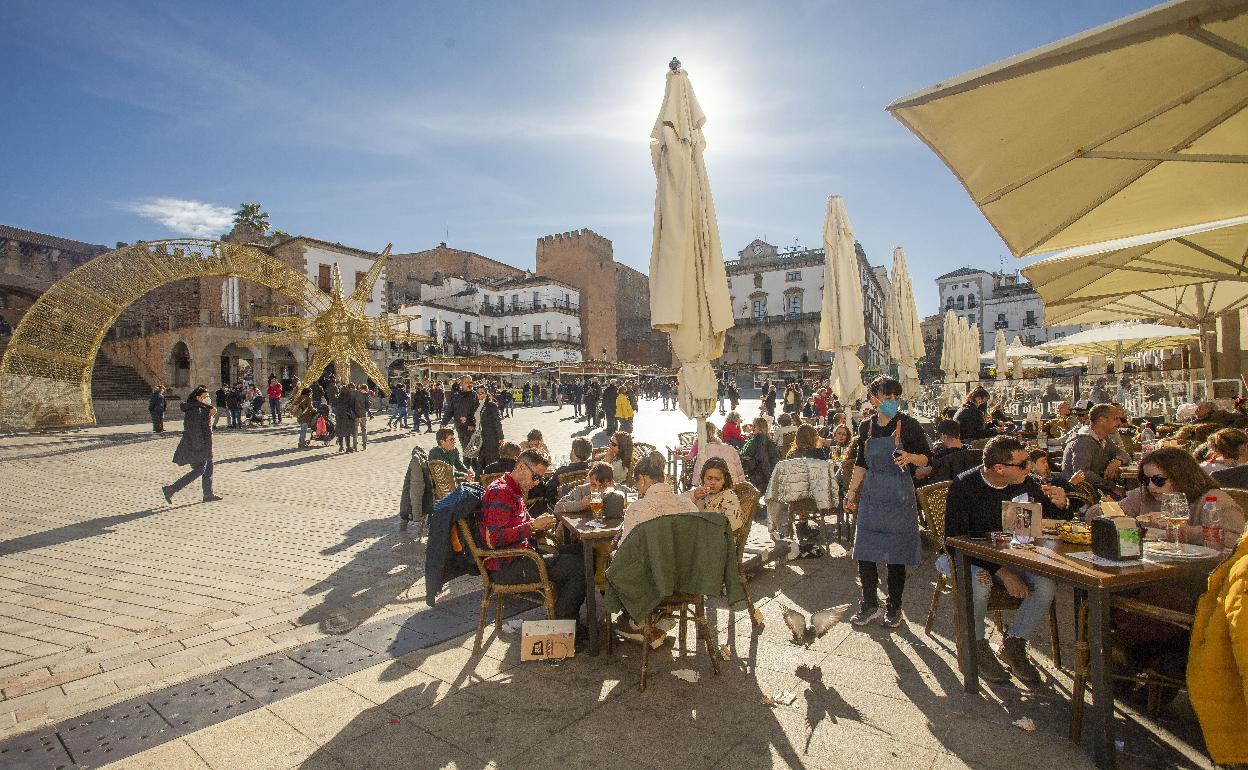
<point>1094,584</point>
<point>595,536</point>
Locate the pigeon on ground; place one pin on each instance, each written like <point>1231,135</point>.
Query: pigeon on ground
<point>820,623</point>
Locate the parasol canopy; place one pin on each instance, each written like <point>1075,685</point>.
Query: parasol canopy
<point>1137,126</point>
<point>1120,340</point>
<point>841,327</point>
<point>905,338</point>
<point>688,283</point>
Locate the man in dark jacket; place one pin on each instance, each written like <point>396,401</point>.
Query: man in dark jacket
<point>592,394</point>
<point>574,395</point>
<point>422,403</point>
<point>156,408</point>
<point>359,401</point>
<point>221,401</point>
<point>463,410</point>
<point>609,395</point>
<point>235,400</point>
<point>344,420</point>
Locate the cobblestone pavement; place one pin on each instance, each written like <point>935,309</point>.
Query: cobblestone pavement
<point>110,594</point>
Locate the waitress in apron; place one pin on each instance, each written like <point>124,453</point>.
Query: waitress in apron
<point>882,492</point>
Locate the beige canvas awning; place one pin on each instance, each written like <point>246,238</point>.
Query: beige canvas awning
<point>1138,126</point>
<point>1190,278</point>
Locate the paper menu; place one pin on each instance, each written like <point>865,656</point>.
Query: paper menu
<point>1024,519</point>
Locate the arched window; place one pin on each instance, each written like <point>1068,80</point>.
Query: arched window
<point>961,302</point>
<point>970,301</point>
<point>949,304</point>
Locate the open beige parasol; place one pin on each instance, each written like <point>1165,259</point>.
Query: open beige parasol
<point>1137,126</point>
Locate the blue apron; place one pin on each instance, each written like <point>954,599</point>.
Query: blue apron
<point>887,527</point>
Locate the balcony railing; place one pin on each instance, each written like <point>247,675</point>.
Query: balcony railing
<point>500,342</point>
<point>510,308</point>
<point>204,318</point>
<point>779,319</point>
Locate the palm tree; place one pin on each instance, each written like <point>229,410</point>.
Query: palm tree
<point>250,216</point>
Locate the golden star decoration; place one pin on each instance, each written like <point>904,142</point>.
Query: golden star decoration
<point>341,332</point>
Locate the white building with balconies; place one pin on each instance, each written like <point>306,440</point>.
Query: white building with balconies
<point>997,301</point>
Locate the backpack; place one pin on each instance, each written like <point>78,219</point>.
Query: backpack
<point>323,426</point>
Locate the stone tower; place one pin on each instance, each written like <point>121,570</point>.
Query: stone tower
<point>584,259</point>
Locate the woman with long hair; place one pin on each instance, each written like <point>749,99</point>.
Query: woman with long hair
<point>195,447</point>
<point>305,413</point>
<point>1169,470</point>
<point>620,456</point>
<point>881,490</point>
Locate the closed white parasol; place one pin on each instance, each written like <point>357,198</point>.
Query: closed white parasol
<point>842,330</point>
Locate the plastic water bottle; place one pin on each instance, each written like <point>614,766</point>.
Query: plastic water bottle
<point>1211,523</point>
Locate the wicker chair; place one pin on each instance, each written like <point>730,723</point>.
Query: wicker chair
<point>748,495</point>
<point>1084,495</point>
<point>1240,496</point>
<point>687,438</point>
<point>497,593</point>
<point>678,603</point>
<point>932,499</point>
<point>571,477</point>
<point>488,478</point>
<point>443,476</point>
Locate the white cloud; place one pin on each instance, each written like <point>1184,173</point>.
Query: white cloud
<point>195,218</point>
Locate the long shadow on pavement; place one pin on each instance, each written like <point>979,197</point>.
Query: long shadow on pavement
<point>71,532</point>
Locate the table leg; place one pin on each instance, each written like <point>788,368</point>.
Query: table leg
<point>591,597</point>
<point>966,626</point>
<point>1101,679</point>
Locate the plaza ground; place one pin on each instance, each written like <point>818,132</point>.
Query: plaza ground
<point>111,599</point>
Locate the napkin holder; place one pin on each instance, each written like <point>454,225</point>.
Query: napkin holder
<point>1116,537</point>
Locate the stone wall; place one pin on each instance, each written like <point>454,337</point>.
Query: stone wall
<point>405,272</point>
<point>638,342</point>
<point>584,259</point>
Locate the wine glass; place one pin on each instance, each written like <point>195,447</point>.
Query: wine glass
<point>1175,508</point>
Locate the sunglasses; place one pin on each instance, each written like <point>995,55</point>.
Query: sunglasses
<point>1021,466</point>
<point>1157,481</point>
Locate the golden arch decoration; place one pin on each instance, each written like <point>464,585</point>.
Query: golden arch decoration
<point>45,375</point>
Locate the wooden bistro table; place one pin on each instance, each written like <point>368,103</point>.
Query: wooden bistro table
<point>594,537</point>
<point>1094,584</point>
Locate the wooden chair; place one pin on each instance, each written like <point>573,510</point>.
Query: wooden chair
<point>1153,680</point>
<point>932,499</point>
<point>672,604</point>
<point>497,593</point>
<point>806,510</point>
<point>443,476</point>
<point>748,495</point>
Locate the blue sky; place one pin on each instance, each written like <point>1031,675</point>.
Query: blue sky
<point>369,123</point>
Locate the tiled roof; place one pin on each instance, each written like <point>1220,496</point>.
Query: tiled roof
<point>330,245</point>
<point>50,241</point>
<point>961,271</point>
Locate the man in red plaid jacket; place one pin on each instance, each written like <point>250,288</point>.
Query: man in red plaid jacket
<point>506,523</point>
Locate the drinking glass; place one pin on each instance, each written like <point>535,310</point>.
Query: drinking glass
<point>1175,508</point>
<point>595,504</point>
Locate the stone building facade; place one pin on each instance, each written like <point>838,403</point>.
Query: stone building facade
<point>777,298</point>
<point>30,262</point>
<point>997,300</point>
<point>584,259</point>
<point>639,343</point>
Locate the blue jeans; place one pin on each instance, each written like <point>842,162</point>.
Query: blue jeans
<point>1029,615</point>
<point>236,417</point>
<point>303,432</point>
<point>417,414</point>
<point>275,409</point>
<point>204,471</point>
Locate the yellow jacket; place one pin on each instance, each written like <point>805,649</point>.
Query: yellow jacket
<point>623,407</point>
<point>1217,668</point>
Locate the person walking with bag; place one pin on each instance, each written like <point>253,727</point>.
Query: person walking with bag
<point>882,492</point>
<point>195,447</point>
